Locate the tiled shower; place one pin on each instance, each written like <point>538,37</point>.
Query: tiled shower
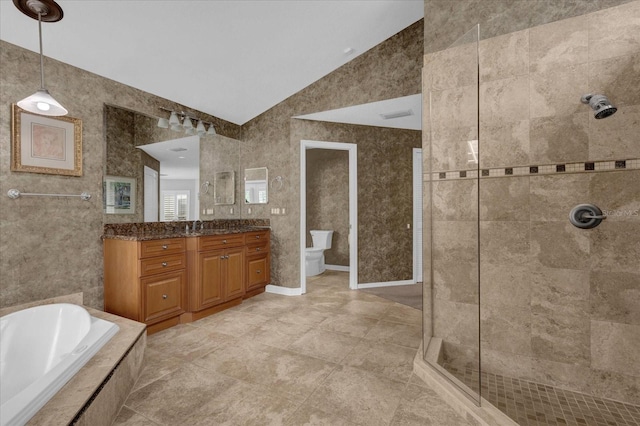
<point>535,315</point>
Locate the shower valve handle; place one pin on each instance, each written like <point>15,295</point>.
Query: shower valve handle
<point>586,216</point>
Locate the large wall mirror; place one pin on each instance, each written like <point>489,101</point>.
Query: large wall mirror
<point>171,173</point>
<point>255,186</point>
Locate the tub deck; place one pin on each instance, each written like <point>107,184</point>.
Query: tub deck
<point>73,402</point>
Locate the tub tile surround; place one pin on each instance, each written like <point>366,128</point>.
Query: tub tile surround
<point>568,316</point>
<point>324,369</point>
<point>97,392</point>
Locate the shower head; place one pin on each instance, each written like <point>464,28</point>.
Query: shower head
<point>600,104</point>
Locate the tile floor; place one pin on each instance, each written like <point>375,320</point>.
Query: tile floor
<point>331,357</point>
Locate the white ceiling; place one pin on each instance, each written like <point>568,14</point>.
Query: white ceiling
<point>179,158</point>
<point>371,114</point>
<point>231,59</point>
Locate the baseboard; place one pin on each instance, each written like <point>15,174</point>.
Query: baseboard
<point>484,415</point>
<point>337,268</point>
<point>284,291</point>
<point>386,284</point>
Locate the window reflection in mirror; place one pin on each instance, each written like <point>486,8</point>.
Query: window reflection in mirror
<point>255,186</point>
<point>224,188</point>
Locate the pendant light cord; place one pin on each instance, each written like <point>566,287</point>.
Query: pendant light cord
<point>41,55</point>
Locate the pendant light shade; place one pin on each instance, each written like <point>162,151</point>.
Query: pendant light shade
<point>212,130</point>
<point>41,102</point>
<point>187,124</point>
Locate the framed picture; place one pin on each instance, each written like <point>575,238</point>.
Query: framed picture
<point>40,144</point>
<point>119,195</point>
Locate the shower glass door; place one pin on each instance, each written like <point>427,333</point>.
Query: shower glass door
<point>451,213</point>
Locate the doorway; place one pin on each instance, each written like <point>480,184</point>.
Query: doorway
<point>353,207</point>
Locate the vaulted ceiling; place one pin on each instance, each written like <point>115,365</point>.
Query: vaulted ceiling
<point>232,59</point>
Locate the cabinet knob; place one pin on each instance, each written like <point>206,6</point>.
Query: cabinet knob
<point>222,257</point>
<point>164,296</point>
<point>224,241</point>
<point>164,247</point>
<point>257,237</point>
<point>258,271</point>
<point>164,264</point>
<point>258,249</point>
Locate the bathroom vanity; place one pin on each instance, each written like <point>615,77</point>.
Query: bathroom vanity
<point>165,279</point>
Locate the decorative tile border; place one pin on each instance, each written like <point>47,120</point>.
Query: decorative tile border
<point>586,167</point>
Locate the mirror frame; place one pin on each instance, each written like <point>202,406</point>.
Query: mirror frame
<point>266,185</point>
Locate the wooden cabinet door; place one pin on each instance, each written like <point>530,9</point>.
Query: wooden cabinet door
<point>211,272</point>
<point>234,265</point>
<point>258,271</point>
<point>163,296</point>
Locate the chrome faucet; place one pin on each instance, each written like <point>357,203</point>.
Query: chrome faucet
<point>194,227</point>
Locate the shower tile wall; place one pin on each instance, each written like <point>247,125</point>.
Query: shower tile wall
<point>559,305</point>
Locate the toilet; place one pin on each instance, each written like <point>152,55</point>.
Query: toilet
<point>314,256</point>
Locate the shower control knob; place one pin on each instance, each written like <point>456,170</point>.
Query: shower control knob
<point>586,216</point>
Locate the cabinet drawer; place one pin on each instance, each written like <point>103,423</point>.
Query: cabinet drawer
<point>163,296</point>
<point>213,242</point>
<point>161,264</point>
<point>256,248</point>
<point>258,272</point>
<point>255,236</point>
<point>159,247</point>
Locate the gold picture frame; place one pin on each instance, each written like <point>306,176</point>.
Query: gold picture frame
<point>43,144</point>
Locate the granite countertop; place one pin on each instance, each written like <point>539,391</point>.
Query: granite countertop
<point>159,230</point>
<point>146,236</point>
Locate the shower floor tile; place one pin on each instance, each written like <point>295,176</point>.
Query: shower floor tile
<point>534,404</point>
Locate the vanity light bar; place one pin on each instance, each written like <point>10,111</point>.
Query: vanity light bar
<point>183,116</point>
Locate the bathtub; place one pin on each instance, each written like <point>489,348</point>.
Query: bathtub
<point>41,348</point>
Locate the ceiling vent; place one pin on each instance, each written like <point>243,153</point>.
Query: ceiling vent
<point>397,114</point>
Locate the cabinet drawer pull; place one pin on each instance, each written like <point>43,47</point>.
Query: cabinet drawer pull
<point>164,296</point>
<point>258,249</point>
<point>258,271</point>
<point>224,241</point>
<point>164,247</point>
<point>257,237</point>
<point>164,264</point>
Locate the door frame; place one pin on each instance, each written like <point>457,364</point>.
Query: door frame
<point>417,215</point>
<point>353,206</point>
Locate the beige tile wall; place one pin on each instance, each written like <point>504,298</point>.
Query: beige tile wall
<point>557,304</point>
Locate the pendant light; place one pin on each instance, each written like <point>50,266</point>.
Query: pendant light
<point>41,102</point>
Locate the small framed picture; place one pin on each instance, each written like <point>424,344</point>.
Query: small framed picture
<point>41,144</point>
<point>119,195</point>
